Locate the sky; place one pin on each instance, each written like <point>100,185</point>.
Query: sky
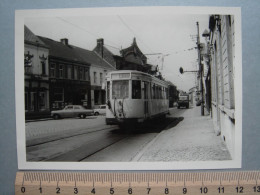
<point>168,40</point>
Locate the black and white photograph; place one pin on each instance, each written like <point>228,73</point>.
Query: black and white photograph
<point>142,88</point>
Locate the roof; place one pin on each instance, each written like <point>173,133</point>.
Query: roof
<point>107,55</point>
<point>133,48</point>
<point>31,38</point>
<point>58,49</point>
<point>73,53</point>
<point>93,58</point>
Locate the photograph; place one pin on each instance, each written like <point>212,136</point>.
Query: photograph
<point>129,88</point>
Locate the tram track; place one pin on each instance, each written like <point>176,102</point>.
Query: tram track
<point>79,145</point>
<point>59,136</point>
<point>74,147</point>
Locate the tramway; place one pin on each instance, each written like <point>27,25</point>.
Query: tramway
<point>134,97</point>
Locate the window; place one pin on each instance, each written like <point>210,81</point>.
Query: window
<point>42,100</point>
<point>153,92</point>
<point>108,90</point>
<point>43,67</point>
<point>69,72</point>
<point>75,72</point>
<point>101,78</point>
<point>95,77</point>
<point>120,89</point>
<point>80,73</point>
<point>136,89</point>
<point>52,70</point>
<point>86,74</point>
<point>96,96</point>
<point>58,94</point>
<point>69,108</point>
<point>61,71</point>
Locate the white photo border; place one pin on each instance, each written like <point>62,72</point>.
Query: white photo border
<point>20,16</point>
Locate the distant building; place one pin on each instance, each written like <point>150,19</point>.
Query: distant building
<point>173,94</point>
<point>132,58</point>
<point>221,75</point>
<point>36,76</point>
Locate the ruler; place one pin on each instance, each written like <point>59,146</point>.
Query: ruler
<point>137,183</point>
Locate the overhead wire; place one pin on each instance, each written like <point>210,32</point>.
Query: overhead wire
<point>83,29</point>
<point>132,31</point>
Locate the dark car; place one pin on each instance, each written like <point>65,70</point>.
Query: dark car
<point>71,111</point>
<point>183,101</point>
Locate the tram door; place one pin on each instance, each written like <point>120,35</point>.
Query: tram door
<point>145,96</point>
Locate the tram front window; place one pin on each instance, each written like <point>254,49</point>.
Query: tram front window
<point>136,89</point>
<point>120,89</point>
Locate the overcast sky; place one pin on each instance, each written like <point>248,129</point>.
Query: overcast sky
<point>172,35</point>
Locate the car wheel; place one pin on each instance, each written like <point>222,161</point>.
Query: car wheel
<point>82,116</point>
<point>96,113</point>
<point>56,116</point>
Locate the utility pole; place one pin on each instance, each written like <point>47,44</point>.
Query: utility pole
<point>200,70</point>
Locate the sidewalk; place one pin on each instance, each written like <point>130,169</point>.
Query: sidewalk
<point>193,139</point>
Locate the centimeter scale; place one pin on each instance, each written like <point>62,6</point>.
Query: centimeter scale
<point>137,183</point>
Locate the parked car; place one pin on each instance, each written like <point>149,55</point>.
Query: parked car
<point>71,111</point>
<point>100,110</point>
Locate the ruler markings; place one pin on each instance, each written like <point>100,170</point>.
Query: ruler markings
<point>236,182</point>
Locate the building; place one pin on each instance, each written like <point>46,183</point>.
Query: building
<point>132,58</point>
<point>36,76</point>
<point>221,73</point>
<point>193,95</point>
<point>173,94</point>
<point>69,75</point>
<point>102,62</point>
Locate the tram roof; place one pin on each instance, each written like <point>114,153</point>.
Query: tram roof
<point>137,72</point>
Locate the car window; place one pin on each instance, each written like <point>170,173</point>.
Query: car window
<point>77,107</point>
<point>68,107</point>
<point>103,107</point>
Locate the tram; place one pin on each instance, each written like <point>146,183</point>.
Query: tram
<point>134,97</point>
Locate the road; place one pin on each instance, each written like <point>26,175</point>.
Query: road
<point>91,140</point>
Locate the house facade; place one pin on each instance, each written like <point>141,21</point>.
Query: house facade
<point>69,76</point>
<point>36,75</point>
<point>222,66</point>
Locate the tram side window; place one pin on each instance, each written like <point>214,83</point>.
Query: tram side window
<point>136,89</point>
<point>108,90</point>
<point>153,91</point>
<point>120,89</point>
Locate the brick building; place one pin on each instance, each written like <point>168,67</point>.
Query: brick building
<point>69,75</point>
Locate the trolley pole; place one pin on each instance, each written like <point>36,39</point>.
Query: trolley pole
<point>200,71</point>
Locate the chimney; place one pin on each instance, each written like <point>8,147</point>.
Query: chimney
<point>65,41</point>
<point>100,49</point>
